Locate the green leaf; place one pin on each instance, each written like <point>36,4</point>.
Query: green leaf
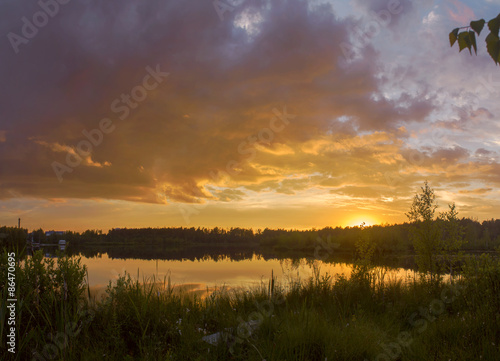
<point>477,25</point>
<point>493,46</point>
<point>464,41</point>
<point>472,37</point>
<point>494,25</point>
<point>453,36</point>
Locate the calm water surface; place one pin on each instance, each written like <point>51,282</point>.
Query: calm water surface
<point>208,273</point>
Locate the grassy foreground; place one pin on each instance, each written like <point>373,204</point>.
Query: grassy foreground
<point>365,317</point>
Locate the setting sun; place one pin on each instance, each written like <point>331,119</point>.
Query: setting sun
<point>359,220</point>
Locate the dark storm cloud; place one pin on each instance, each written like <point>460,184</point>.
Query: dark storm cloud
<point>226,77</point>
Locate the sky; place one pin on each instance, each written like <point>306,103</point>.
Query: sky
<point>243,113</point>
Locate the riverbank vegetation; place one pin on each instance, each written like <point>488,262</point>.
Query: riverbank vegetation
<point>191,243</point>
<point>483,235</point>
<point>364,317</point>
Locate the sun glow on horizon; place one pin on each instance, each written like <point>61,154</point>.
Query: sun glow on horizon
<point>359,220</point>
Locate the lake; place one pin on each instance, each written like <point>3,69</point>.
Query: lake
<point>205,275</point>
<point>202,270</point>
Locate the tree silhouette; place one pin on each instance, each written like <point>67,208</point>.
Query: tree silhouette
<point>425,232</point>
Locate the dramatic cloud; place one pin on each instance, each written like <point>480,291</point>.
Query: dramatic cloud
<point>289,102</point>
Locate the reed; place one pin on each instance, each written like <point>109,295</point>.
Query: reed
<point>335,318</point>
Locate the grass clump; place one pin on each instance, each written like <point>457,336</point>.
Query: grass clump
<point>364,317</point>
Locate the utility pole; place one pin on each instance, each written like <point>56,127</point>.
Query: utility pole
<point>19,223</point>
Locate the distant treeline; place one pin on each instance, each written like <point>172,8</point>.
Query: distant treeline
<point>13,236</point>
<point>387,238</point>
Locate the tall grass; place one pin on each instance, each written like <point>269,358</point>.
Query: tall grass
<point>363,317</point>
<point>49,300</point>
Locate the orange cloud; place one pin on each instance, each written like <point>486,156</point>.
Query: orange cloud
<point>367,131</point>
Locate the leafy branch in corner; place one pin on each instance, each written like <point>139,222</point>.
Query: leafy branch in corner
<point>467,37</point>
